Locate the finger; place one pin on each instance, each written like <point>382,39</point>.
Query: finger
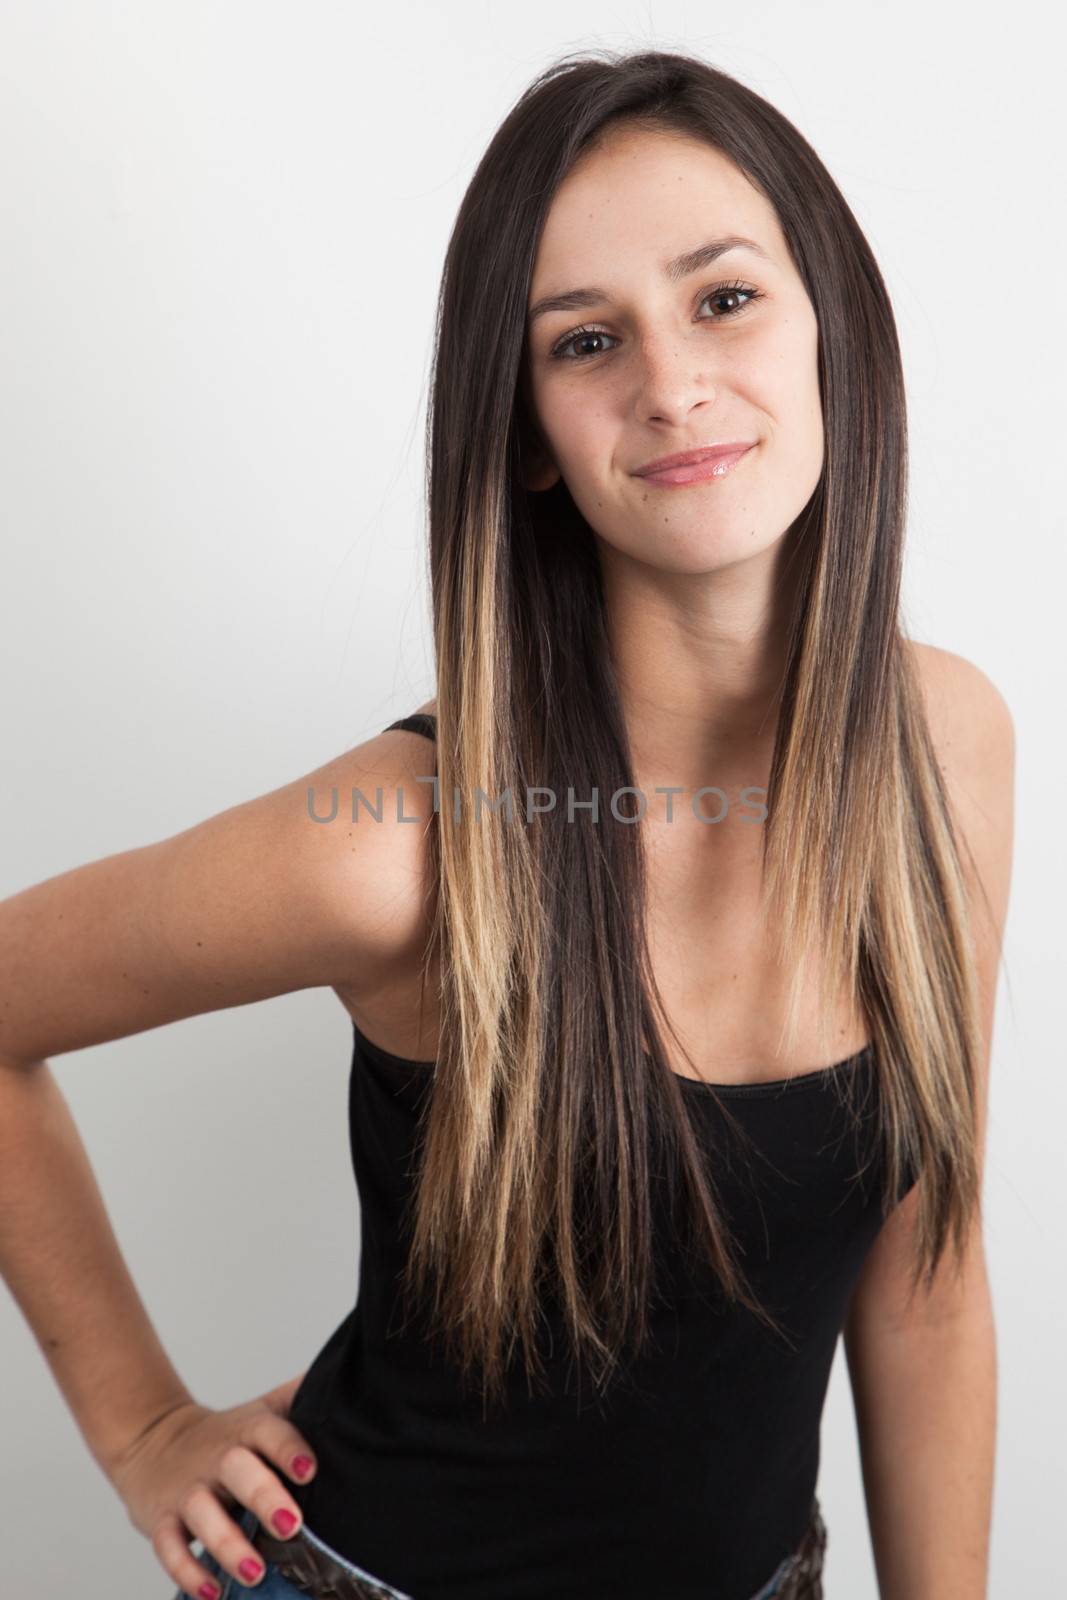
<point>280,1443</point>
<point>221,1536</point>
<point>245,1474</point>
<point>193,1577</point>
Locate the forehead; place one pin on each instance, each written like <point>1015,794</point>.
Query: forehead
<point>639,198</point>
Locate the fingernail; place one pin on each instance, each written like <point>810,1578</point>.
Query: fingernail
<point>250,1569</point>
<point>285,1522</point>
<point>302,1465</point>
<point>208,1591</point>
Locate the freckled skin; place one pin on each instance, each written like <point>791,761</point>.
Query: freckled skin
<point>673,372</point>
<point>695,578</point>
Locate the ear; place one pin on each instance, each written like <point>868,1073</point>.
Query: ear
<point>539,471</point>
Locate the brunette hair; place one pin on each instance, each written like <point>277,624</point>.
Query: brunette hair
<point>551,1092</point>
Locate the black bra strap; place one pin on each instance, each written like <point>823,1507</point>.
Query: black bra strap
<point>419,722</point>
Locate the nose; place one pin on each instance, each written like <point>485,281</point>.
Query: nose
<point>674,380</point>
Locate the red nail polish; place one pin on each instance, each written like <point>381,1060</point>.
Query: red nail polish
<point>250,1569</point>
<point>285,1522</point>
<point>208,1591</point>
<point>302,1465</point>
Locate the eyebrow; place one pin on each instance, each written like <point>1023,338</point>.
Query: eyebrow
<point>677,268</point>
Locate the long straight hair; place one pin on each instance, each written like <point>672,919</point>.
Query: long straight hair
<point>552,1099</point>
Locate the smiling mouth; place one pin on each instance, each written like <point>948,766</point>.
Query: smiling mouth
<point>685,458</point>
<point>713,465</point>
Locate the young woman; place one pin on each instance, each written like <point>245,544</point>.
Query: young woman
<point>671,1074</point>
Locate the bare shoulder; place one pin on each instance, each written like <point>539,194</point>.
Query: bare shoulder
<point>973,733</point>
<point>322,882</point>
<point>973,736</point>
<point>371,862</point>
<point>970,719</point>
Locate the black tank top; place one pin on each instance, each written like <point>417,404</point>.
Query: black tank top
<point>693,1477</point>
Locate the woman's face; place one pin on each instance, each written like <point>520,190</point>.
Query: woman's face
<point>722,351</point>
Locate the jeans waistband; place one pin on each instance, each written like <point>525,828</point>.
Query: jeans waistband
<point>310,1566</point>
<point>314,1569</point>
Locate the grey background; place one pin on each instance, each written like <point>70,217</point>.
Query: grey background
<point>220,240</point>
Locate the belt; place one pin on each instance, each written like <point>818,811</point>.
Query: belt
<point>315,1572</point>
<point>800,1575</point>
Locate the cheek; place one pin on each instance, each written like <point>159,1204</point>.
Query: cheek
<point>785,382</point>
<point>801,355</point>
<point>801,443</point>
<point>810,432</point>
<point>577,424</point>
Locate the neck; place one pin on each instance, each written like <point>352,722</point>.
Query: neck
<point>700,664</point>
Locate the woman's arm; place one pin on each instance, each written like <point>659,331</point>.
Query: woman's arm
<point>924,1376</point>
<point>925,1394</point>
<point>255,902</point>
<point>62,1263</point>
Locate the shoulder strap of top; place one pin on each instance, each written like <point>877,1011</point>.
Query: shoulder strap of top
<point>423,722</point>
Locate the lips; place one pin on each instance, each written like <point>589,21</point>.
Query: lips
<point>688,458</point>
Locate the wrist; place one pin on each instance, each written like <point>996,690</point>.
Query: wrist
<point>113,1450</point>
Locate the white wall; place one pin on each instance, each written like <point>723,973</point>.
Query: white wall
<point>221,229</point>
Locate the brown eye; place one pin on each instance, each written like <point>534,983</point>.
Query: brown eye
<point>722,292</point>
<point>571,338</point>
<point>731,292</point>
